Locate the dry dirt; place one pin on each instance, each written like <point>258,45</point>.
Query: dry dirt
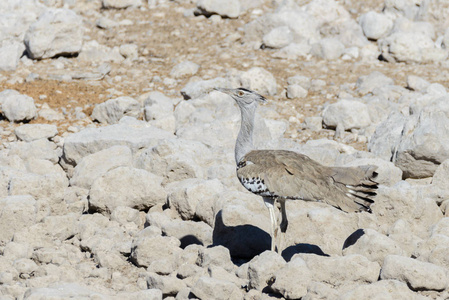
<point>165,37</point>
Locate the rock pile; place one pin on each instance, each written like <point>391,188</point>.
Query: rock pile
<point>138,198</point>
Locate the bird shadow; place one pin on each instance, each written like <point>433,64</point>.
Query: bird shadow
<point>353,238</point>
<point>288,252</point>
<point>243,241</point>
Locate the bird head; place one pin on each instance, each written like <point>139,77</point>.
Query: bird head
<point>243,97</point>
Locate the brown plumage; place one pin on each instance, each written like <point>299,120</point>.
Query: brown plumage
<point>286,175</point>
<point>290,175</point>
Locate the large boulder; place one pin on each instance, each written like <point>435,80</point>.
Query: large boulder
<point>56,32</point>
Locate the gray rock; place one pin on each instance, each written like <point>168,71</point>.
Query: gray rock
<point>17,107</point>
<point>417,83</point>
<point>125,186</point>
<point>185,68</point>
<point>296,91</point>
<point>99,163</point>
<point>31,132</point>
<point>294,51</point>
<point>230,9</point>
<point>278,37</point>
<point>353,268</point>
<point>387,136</point>
<point>111,111</point>
<point>292,280</point>
<point>91,140</point>
<point>56,32</point>
<point>418,275</point>
<point>16,212</point>
<point>147,249</point>
<point>120,3</point>
<point>385,289</point>
<point>424,144</point>
<point>10,54</point>
<point>212,288</point>
<point>13,251</point>
<point>375,25</point>
<point>349,114</point>
<point>189,232</point>
<point>262,267</point>
<point>367,84</point>
<point>374,246</point>
<point>328,48</point>
<point>259,80</point>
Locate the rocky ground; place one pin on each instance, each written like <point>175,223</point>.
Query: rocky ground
<point>117,172</point>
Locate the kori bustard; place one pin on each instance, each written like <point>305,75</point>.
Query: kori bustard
<point>286,175</point>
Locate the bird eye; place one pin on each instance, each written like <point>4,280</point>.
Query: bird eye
<point>241,93</point>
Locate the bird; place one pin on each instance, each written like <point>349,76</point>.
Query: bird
<point>281,175</point>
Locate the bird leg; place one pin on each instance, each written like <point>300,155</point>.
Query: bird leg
<point>269,203</point>
<point>284,224</point>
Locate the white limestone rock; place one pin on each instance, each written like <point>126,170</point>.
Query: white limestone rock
<point>417,83</point>
<point>125,186</point>
<point>196,89</point>
<point>296,91</point>
<point>230,9</point>
<point>146,249</point>
<point>411,47</point>
<point>386,138</point>
<point>418,275</point>
<point>410,204</point>
<point>91,140</point>
<point>374,246</point>
<point>129,51</point>
<point>424,142</point>
<point>353,268</point>
<point>382,289</point>
<point>188,232</point>
<point>17,107</point>
<point>367,84</point>
<point>118,4</point>
<point>259,80</point>
<point>262,267</point>
<point>191,194</point>
<point>212,288</point>
<point>168,285</point>
<point>278,37</point>
<point>350,114</point>
<point>375,25</point>
<point>31,132</point>
<point>99,163</point>
<point>16,212</point>
<point>183,69</point>
<point>10,54</point>
<point>328,48</point>
<point>292,280</point>
<point>37,149</point>
<point>56,32</point>
<point>175,159</point>
<point>111,111</point>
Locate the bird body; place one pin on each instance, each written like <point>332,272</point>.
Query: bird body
<point>286,175</point>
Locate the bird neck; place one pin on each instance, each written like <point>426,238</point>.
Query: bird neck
<point>244,142</point>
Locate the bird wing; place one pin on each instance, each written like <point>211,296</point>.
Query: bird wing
<point>290,175</point>
<point>286,174</point>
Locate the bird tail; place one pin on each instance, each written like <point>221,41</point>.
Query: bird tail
<point>359,185</point>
